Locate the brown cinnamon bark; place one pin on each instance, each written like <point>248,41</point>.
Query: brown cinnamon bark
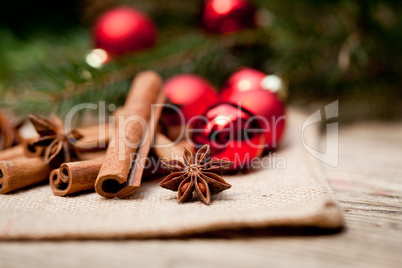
<point>12,153</point>
<point>99,155</point>
<point>75,177</point>
<point>99,135</point>
<point>17,174</point>
<point>164,147</point>
<point>80,176</point>
<point>54,178</point>
<point>114,179</point>
<point>172,151</point>
<point>7,133</point>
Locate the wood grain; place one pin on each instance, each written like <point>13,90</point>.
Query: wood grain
<point>368,183</point>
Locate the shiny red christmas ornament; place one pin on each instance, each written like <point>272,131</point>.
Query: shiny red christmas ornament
<point>232,134</point>
<point>246,79</point>
<point>268,109</point>
<point>192,94</point>
<point>226,16</point>
<point>122,30</point>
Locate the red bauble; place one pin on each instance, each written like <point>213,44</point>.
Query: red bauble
<point>191,93</point>
<point>246,79</point>
<point>230,132</point>
<point>269,110</point>
<point>122,30</point>
<point>226,16</point>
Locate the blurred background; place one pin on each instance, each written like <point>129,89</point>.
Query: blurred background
<point>331,49</point>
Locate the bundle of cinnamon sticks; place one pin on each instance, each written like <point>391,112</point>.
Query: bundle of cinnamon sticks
<point>116,172</point>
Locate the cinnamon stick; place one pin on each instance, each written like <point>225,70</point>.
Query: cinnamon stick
<point>114,179</point>
<point>98,135</point>
<point>164,148</point>
<point>17,174</point>
<point>80,176</point>
<point>12,153</point>
<point>7,133</point>
<point>55,179</point>
<point>75,177</point>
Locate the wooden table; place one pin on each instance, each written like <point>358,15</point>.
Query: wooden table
<point>368,182</point>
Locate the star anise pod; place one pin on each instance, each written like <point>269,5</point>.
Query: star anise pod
<point>58,145</point>
<point>199,174</point>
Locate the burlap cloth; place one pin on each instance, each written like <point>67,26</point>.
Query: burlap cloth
<point>294,195</point>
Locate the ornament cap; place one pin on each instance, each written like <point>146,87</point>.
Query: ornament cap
<point>277,84</point>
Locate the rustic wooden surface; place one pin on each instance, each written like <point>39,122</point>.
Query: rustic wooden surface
<point>368,183</point>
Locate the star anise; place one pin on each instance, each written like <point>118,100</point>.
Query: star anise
<point>199,174</point>
<point>56,144</point>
